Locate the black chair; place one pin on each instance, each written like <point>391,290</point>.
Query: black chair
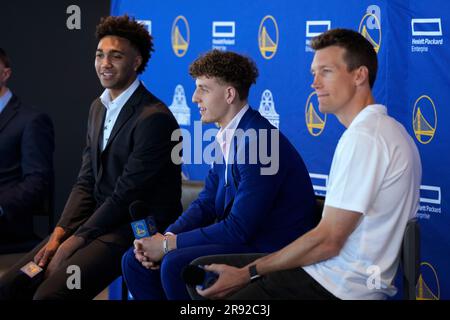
<point>410,259</point>
<point>320,203</point>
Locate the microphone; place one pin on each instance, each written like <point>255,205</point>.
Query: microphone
<point>31,276</point>
<point>198,276</point>
<point>143,225</point>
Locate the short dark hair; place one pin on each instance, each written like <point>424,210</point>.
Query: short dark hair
<point>130,29</point>
<point>358,50</point>
<point>229,67</point>
<point>4,58</point>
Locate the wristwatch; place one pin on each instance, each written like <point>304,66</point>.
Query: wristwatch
<point>253,273</point>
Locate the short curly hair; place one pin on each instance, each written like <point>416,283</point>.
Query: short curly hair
<point>130,29</point>
<point>229,67</point>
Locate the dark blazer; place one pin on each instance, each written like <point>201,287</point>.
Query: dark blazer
<point>26,166</point>
<point>260,212</point>
<point>136,164</point>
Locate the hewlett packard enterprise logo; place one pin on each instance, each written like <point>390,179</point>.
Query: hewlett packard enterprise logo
<point>426,34</point>
<point>313,29</point>
<point>430,202</point>
<point>223,34</point>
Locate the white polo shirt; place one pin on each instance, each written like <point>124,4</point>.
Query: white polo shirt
<point>376,170</point>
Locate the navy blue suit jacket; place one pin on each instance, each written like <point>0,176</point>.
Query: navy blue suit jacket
<point>261,212</point>
<point>26,165</point>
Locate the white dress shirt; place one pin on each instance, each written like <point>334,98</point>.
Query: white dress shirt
<point>5,99</point>
<point>225,135</point>
<point>113,108</point>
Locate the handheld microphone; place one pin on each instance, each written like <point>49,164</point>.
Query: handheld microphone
<point>142,225</point>
<point>198,276</point>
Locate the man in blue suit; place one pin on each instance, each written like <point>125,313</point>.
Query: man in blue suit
<point>246,205</point>
<point>26,162</point>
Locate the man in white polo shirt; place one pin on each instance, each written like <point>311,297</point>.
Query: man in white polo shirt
<point>373,191</point>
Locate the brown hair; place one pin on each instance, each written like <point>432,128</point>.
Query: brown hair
<point>358,50</point>
<point>229,67</point>
<point>130,29</point>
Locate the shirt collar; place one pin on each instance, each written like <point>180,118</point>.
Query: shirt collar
<point>367,111</point>
<point>231,126</point>
<point>120,101</point>
<point>5,99</point>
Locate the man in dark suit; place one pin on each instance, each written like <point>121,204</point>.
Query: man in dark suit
<point>127,158</point>
<point>26,162</point>
<point>248,204</point>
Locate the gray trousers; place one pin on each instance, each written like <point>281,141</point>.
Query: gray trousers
<point>293,284</point>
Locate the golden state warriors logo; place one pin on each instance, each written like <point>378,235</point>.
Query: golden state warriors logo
<point>140,229</point>
<point>180,36</point>
<point>370,28</point>
<point>315,120</point>
<point>424,119</point>
<point>268,37</point>
<point>428,283</point>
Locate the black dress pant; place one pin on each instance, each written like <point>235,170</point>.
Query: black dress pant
<point>293,284</point>
<point>99,263</point>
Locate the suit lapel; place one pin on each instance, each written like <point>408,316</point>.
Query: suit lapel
<point>98,125</point>
<point>9,112</point>
<point>231,177</point>
<point>243,124</point>
<point>125,114</point>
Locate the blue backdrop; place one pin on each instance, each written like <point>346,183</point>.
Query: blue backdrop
<point>411,38</point>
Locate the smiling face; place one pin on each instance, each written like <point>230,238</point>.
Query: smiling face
<point>334,84</point>
<point>211,97</point>
<point>116,62</point>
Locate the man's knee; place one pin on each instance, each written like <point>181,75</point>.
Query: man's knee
<point>172,266</point>
<point>46,295</point>
<point>170,261</point>
<point>128,260</point>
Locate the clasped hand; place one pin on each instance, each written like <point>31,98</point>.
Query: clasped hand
<point>149,251</point>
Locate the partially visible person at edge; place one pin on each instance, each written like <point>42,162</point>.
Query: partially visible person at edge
<point>26,162</point>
